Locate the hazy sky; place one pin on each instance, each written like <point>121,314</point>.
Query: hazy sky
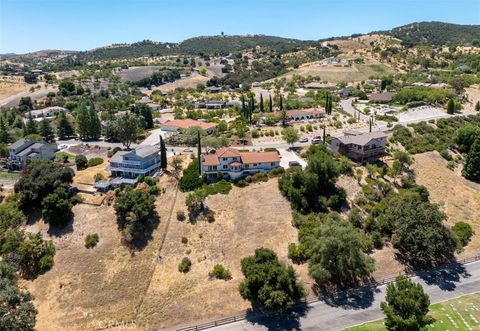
<point>29,25</point>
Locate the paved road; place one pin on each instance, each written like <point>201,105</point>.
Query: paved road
<point>346,105</point>
<point>363,305</point>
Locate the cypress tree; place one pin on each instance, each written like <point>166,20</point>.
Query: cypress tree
<point>471,169</point>
<point>270,104</point>
<point>31,127</point>
<point>244,108</point>
<point>324,134</point>
<point>261,103</point>
<point>370,125</point>
<point>4,135</point>
<point>163,154</point>
<point>82,122</point>
<point>450,107</point>
<point>477,106</point>
<point>46,131</point>
<point>281,103</point>
<point>64,129</point>
<point>95,127</point>
<point>199,152</point>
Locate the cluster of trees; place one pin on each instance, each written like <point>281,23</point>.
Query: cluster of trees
<point>333,248</point>
<point>314,189</point>
<point>88,123</point>
<point>467,139</point>
<point>269,282</point>
<point>46,185</point>
<point>422,93</point>
<point>159,78</point>
<point>134,208</point>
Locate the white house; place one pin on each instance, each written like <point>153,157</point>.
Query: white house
<point>234,164</point>
<point>45,112</point>
<point>142,160</point>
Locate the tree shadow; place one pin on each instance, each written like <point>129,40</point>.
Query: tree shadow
<point>58,231</point>
<point>277,321</point>
<point>144,234</point>
<point>445,277</point>
<point>355,298</point>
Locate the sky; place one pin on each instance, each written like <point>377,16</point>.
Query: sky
<point>30,25</point>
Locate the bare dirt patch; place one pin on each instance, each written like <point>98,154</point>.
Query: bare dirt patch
<point>459,198</point>
<point>246,218</point>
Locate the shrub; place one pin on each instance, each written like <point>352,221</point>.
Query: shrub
<point>150,181</point>
<point>57,207</point>
<point>309,127</point>
<point>184,240</point>
<point>255,134</point>
<point>91,240</point>
<point>351,120</point>
<point>185,265</point>
<point>45,263</point>
<point>463,231</point>
<point>191,178</point>
<point>220,272</point>
<point>241,183</point>
<point>81,162</point>
<point>277,172</point>
<point>210,216</point>
<point>98,177</point>
<point>95,161</point>
<point>296,253</point>
<point>111,152</point>
<point>181,216</point>
<point>377,240</point>
<point>153,190</point>
<point>445,154</point>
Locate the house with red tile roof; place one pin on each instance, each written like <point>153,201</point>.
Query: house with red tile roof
<point>234,164</point>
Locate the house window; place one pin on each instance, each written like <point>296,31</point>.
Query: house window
<point>225,166</point>
<point>272,164</point>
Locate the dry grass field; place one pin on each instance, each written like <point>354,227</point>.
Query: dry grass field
<point>89,288</point>
<point>459,198</point>
<point>246,218</point>
<point>337,74</point>
<point>9,89</point>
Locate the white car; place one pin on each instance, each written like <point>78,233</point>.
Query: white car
<point>188,150</point>
<point>316,140</point>
<point>303,140</point>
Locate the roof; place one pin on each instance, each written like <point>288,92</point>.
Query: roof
<point>45,110</point>
<point>141,151</point>
<point>383,97</point>
<point>227,152</point>
<point>20,143</point>
<point>213,158</point>
<point>319,85</point>
<point>361,139</point>
<point>259,157</point>
<point>189,123</point>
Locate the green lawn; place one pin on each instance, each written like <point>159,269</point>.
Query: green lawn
<point>460,314</point>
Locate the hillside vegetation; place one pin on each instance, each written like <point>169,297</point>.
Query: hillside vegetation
<point>437,33</point>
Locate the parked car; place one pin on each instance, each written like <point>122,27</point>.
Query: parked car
<point>292,164</point>
<point>316,140</point>
<point>188,150</point>
<point>303,140</point>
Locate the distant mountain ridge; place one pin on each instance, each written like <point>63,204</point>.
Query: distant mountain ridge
<point>429,33</point>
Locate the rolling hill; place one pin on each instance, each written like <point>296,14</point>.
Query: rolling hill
<point>436,33</point>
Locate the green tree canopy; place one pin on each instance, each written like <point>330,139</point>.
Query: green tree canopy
<point>406,306</point>
<point>269,282</point>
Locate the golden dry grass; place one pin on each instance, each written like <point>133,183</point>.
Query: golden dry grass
<point>246,218</point>
<point>8,89</point>
<point>459,198</point>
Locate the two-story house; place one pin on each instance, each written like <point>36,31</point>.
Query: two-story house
<point>23,150</point>
<point>142,160</point>
<point>234,164</point>
<point>360,147</point>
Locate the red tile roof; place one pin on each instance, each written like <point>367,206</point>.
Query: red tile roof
<point>259,157</point>
<point>212,159</point>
